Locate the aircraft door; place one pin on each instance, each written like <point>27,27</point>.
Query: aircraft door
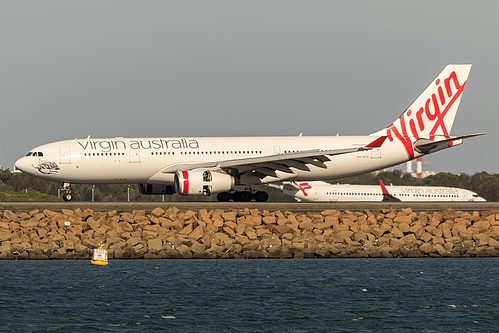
<point>65,156</point>
<point>134,155</point>
<point>376,152</point>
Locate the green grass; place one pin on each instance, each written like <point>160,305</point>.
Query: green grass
<point>30,196</point>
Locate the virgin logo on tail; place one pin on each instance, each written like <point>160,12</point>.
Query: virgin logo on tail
<point>430,116</point>
<point>303,187</point>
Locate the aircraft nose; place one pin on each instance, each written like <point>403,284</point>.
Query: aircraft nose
<point>22,164</point>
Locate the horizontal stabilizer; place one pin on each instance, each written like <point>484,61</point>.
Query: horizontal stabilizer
<point>425,146</point>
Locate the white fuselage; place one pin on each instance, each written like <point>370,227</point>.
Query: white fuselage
<point>155,160</point>
<point>216,165</point>
<point>324,192</point>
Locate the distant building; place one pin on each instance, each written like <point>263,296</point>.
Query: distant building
<point>419,169</point>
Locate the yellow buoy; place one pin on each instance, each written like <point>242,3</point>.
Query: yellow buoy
<point>100,256</point>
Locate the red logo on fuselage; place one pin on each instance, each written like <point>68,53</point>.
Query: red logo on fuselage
<point>303,187</point>
<point>435,109</point>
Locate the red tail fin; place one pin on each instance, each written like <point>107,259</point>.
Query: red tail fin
<point>383,188</point>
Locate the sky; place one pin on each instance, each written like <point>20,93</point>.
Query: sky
<point>70,69</point>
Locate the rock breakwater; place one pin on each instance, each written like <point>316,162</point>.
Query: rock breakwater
<point>238,234</point>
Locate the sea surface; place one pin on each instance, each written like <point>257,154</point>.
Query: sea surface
<point>333,295</point>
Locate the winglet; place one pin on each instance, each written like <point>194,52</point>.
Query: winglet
<point>377,143</point>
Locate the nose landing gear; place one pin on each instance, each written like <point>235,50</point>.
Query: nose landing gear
<point>67,196</point>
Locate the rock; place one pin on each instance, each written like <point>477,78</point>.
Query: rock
<point>397,243</point>
<point>250,232</point>
<point>329,212</point>
<point>411,253</point>
<point>359,236</point>
<point>282,229</point>
<point>373,251</point>
<point>198,249</point>
<point>402,219</point>
<point>441,250</point>
<point>5,236</point>
<point>409,240</point>
<point>378,232</point>
<point>229,231</point>
<point>481,239</point>
<point>92,223</point>
<point>10,215</point>
<point>247,233</point>
<point>187,230</point>
<point>155,245</point>
<point>426,237</point>
<point>407,211</point>
<point>133,241</point>
<point>427,248</point>
<point>157,212</point>
<point>396,232</point>
<point>221,239</point>
<point>482,226</point>
<point>458,227</point>
<point>197,233</point>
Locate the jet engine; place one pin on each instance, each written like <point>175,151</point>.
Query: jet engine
<point>156,189</point>
<point>203,181</point>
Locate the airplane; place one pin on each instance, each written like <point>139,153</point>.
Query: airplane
<point>319,191</point>
<point>215,165</point>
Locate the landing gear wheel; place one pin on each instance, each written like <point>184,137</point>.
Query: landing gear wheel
<point>242,196</point>
<point>246,196</point>
<point>237,197</point>
<point>67,196</point>
<point>224,197</point>
<point>261,196</point>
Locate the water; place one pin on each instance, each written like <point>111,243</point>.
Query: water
<point>341,295</point>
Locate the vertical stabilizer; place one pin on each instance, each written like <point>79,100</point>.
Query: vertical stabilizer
<point>432,114</point>
<point>386,195</point>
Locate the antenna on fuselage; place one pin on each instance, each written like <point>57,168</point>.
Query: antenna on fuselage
<point>88,137</point>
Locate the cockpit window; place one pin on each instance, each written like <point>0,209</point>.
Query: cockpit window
<point>36,153</point>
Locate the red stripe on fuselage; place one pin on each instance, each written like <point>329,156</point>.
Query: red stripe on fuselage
<point>185,188</point>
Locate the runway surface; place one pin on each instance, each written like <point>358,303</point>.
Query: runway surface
<point>270,206</point>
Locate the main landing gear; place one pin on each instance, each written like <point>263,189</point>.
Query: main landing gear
<point>243,196</point>
<point>67,196</point>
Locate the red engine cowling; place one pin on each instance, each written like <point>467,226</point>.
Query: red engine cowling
<point>203,181</point>
<point>156,189</point>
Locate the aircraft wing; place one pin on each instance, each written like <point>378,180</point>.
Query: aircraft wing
<point>281,161</point>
